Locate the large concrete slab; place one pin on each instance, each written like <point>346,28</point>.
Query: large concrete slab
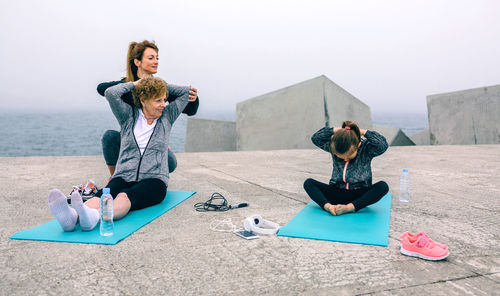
<point>421,138</point>
<point>465,117</point>
<point>209,135</point>
<point>394,136</point>
<point>455,194</point>
<point>288,117</point>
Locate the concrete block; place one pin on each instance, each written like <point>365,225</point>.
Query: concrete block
<point>288,117</point>
<point>394,136</point>
<point>465,117</point>
<point>421,138</point>
<point>208,135</point>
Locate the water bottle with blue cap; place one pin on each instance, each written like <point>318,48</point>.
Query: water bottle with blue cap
<point>404,186</point>
<point>106,213</point>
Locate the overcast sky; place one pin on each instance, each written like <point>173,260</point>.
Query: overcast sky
<point>389,54</point>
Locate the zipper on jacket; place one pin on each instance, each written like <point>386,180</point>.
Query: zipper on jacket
<point>140,159</point>
<point>343,176</point>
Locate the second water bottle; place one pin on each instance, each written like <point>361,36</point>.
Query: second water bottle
<point>404,186</point>
<point>106,213</point>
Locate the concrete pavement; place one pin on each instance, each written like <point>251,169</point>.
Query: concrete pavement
<point>455,198</point>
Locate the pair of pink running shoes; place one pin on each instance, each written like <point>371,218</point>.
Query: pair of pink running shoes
<point>422,246</point>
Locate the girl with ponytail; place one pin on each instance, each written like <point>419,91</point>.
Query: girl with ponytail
<point>350,188</point>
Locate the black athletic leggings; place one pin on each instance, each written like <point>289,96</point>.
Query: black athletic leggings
<point>327,193</point>
<point>141,194</point>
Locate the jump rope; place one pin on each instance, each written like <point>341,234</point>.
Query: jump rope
<point>217,203</point>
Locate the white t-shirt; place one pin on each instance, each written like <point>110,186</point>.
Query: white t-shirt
<point>143,131</point>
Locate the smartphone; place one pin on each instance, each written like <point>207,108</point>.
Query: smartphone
<point>245,234</point>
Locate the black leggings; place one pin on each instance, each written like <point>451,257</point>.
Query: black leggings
<point>327,193</point>
<point>141,194</point>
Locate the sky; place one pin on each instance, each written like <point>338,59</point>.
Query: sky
<point>388,54</point>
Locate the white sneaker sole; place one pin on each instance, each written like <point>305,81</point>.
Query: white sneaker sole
<point>418,255</point>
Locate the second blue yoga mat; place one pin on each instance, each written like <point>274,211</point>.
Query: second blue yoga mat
<point>52,231</point>
<point>368,226</point>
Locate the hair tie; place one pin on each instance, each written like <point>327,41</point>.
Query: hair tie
<point>347,127</point>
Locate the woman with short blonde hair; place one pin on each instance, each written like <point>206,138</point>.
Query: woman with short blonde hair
<point>142,174</point>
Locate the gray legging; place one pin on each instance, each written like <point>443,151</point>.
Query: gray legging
<point>111,149</point>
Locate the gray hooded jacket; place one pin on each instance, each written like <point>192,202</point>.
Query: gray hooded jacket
<point>357,172</point>
<point>153,163</point>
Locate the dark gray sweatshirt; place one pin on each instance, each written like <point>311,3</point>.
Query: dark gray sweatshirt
<point>153,163</point>
<point>357,172</point>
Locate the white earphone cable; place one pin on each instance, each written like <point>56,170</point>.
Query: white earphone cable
<point>223,225</point>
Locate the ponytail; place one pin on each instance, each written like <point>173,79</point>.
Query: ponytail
<point>131,67</point>
<point>349,125</point>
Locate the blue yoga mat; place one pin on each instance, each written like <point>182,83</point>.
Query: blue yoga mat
<point>52,231</point>
<point>369,226</point>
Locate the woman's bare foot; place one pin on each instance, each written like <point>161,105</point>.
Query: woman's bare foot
<point>343,209</point>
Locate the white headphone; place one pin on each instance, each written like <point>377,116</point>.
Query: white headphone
<point>255,224</point>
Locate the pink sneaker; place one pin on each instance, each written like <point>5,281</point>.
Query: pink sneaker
<point>422,248</point>
<point>412,237</point>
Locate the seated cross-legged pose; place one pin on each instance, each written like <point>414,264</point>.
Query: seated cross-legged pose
<point>350,188</point>
<point>142,62</point>
<point>142,174</point>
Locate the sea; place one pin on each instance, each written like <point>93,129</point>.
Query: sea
<point>66,133</point>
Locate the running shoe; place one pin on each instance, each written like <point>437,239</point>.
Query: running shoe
<point>87,191</point>
<point>412,237</point>
<point>90,189</point>
<point>77,188</point>
<point>421,248</point>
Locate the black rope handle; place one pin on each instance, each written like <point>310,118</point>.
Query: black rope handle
<point>216,203</point>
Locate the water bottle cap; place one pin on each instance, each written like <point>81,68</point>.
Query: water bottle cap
<point>405,170</point>
<point>105,191</point>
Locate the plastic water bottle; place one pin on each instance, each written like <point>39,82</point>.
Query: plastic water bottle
<point>106,213</point>
<point>404,186</point>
